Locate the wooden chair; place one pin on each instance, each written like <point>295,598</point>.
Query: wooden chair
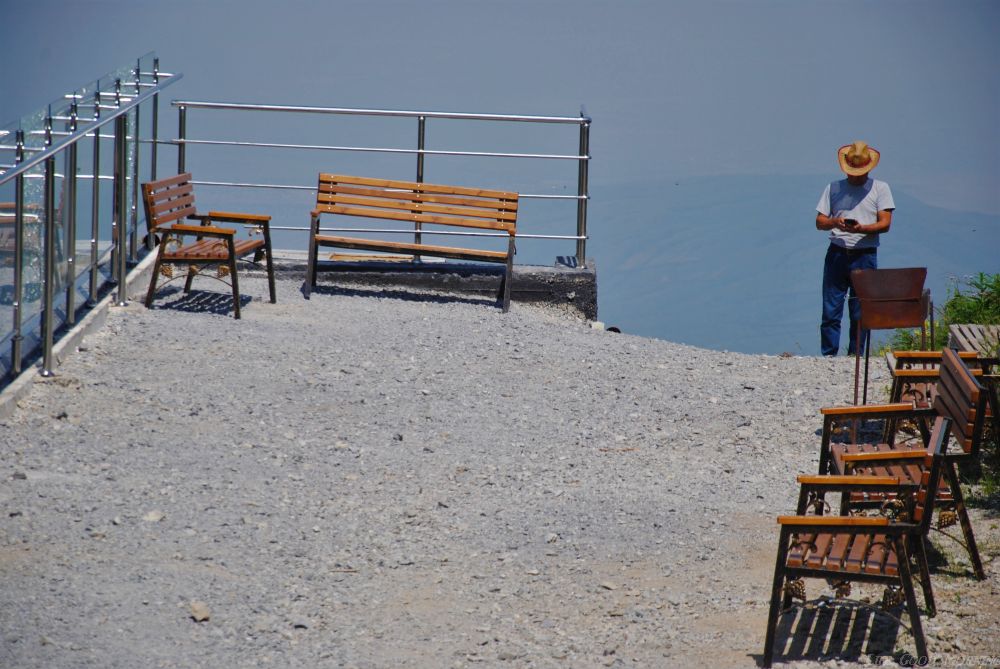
<point>865,549</point>
<point>958,396</point>
<point>171,200</point>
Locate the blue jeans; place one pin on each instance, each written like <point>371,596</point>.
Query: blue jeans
<point>837,286</point>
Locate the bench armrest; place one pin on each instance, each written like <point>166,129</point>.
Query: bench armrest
<point>205,230</point>
<point>897,410</point>
<point>233,217</point>
<point>834,521</point>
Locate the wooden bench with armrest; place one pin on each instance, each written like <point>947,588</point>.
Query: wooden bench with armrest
<point>472,211</point>
<point>170,201</point>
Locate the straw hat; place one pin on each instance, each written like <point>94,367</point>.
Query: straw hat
<point>857,159</point>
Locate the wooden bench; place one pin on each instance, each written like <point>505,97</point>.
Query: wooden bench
<point>983,339</point>
<point>478,212</point>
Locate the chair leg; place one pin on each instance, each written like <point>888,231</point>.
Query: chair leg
<point>925,576</point>
<point>906,581</point>
<point>190,278</point>
<point>152,279</point>
<point>776,599</point>
<point>963,518</point>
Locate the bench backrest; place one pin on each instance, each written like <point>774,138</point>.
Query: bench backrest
<point>961,398</point>
<point>416,202</point>
<point>168,200</point>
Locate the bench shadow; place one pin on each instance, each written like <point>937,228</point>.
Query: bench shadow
<point>401,294</point>
<point>198,301</point>
<point>843,630</point>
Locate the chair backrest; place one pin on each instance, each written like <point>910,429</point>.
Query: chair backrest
<point>962,399</point>
<point>168,200</point>
<point>930,479</point>
<point>417,202</point>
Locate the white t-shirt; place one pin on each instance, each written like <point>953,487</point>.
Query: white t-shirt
<point>862,203</point>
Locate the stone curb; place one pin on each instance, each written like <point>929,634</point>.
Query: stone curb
<point>92,321</point>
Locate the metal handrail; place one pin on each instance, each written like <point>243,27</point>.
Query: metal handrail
<point>201,104</point>
<point>85,130</point>
<point>582,157</point>
<point>65,144</point>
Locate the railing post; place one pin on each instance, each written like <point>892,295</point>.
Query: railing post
<point>17,339</point>
<point>181,136</point>
<point>421,131</point>
<point>133,241</point>
<point>121,204</point>
<point>70,218</point>
<point>155,132</point>
<point>583,192</point>
<point>95,204</point>
<point>48,313</point>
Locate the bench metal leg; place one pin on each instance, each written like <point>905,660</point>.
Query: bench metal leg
<point>508,277</point>
<point>270,267</point>
<point>234,279</point>
<point>311,262</point>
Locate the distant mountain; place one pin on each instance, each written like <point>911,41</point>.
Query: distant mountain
<point>735,262</point>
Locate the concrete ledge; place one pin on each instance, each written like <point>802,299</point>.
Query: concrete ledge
<point>69,341</point>
<point>563,284</point>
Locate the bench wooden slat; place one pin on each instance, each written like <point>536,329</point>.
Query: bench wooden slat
<point>411,196</point>
<point>425,249</point>
<point>409,185</point>
<point>332,199</point>
<point>363,212</point>
<point>838,552</point>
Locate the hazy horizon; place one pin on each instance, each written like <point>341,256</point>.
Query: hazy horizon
<point>726,92</point>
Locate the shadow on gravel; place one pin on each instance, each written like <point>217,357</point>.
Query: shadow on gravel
<point>199,301</point>
<point>819,631</point>
<point>402,294</point>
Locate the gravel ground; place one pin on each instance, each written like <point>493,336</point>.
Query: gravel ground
<point>389,479</point>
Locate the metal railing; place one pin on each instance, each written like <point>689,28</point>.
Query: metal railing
<point>117,106</point>
<point>582,157</point>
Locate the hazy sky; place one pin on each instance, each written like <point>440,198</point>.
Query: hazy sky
<point>675,88</point>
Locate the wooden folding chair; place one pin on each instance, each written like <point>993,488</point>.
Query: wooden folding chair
<point>170,200</point>
<point>959,396</point>
<point>866,549</point>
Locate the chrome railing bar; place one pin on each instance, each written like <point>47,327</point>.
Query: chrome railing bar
<point>89,127</point>
<point>194,104</point>
<point>425,231</point>
<point>370,149</point>
<point>230,184</point>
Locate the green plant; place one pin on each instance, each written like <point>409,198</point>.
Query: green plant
<point>974,300</point>
<point>979,303</point>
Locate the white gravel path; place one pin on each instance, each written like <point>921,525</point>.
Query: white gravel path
<point>388,479</point>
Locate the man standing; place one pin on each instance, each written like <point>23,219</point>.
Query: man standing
<point>855,210</point>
